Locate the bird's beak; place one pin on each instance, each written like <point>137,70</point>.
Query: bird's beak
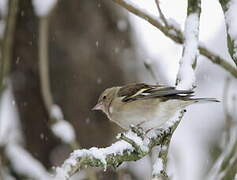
<point>98,106</point>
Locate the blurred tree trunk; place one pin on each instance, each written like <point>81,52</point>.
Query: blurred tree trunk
<point>90,49</point>
<point>26,85</point>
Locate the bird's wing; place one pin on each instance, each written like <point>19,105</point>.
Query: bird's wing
<point>133,92</point>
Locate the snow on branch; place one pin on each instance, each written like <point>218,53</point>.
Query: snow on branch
<point>43,7</point>
<point>17,159</point>
<point>175,34</point>
<point>186,75</point>
<point>24,164</point>
<point>230,8</point>
<point>132,145</point>
<point>226,163</point>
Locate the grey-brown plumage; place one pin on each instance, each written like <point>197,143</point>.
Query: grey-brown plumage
<point>148,106</point>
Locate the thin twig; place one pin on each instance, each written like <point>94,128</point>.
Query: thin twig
<point>161,13</point>
<point>44,75</point>
<point>6,49</point>
<point>43,64</point>
<point>151,71</point>
<point>228,117</point>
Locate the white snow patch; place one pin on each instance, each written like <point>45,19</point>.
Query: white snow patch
<point>43,7</point>
<point>61,174</point>
<point>64,131</point>
<point>186,74</point>
<point>231,21</point>
<point>133,136</point>
<point>158,166</point>
<point>56,112</point>
<point>9,122</point>
<point>174,23</point>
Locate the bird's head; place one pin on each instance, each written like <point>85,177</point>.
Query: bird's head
<point>105,100</point>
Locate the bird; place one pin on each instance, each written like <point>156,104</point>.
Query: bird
<point>143,105</point>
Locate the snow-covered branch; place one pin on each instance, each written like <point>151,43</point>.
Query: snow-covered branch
<point>24,163</point>
<point>17,158</point>
<point>133,145</point>
<point>160,165</point>
<point>186,75</point>
<point>226,163</point>
<point>175,34</point>
<point>230,7</point>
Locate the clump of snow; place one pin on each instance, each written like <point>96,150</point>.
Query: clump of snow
<point>231,21</point>
<point>186,75</point>
<point>172,22</point>
<point>138,140</point>
<point>61,174</point>
<point>56,112</point>
<point>25,164</point>
<point>43,7</point>
<point>64,131</point>
<point>158,166</point>
<point>9,123</point>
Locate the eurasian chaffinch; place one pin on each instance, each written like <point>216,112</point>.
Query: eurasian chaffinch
<point>143,105</point>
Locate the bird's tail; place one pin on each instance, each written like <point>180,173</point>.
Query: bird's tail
<point>205,100</point>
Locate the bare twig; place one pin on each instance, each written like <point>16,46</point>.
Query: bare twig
<point>43,64</point>
<point>176,35</point>
<point>151,71</point>
<point>7,42</point>
<point>161,13</point>
<point>56,117</point>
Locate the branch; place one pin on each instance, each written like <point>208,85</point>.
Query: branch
<point>186,76</point>
<point>133,145</point>
<point>161,13</point>
<point>175,34</point>
<point>225,165</point>
<point>6,49</point>
<point>60,128</point>
<point>229,9</point>
<point>160,165</point>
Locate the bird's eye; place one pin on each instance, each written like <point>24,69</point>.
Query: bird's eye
<point>104,97</point>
